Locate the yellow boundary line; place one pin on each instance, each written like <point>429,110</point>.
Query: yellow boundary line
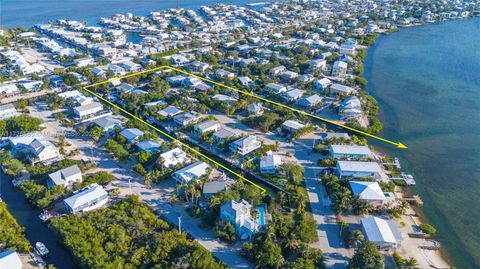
<point>86,88</point>
<point>263,190</point>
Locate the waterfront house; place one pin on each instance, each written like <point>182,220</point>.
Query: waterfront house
<point>170,111</point>
<point>292,126</point>
<point>239,214</point>
<point>383,233</point>
<point>350,152</point>
<point>245,145</point>
<point>339,69</point>
<point>89,198</point>
<point>206,126</point>
<point>351,108</point>
<point>191,172</point>
<point>310,101</point>
<point>108,123</point>
<point>65,177</point>
<point>346,169</point>
<point>368,191</point>
<point>149,145</point>
<point>132,135</point>
<point>225,133</point>
<point>9,259</point>
<point>173,157</point>
<point>347,49</point>
<point>270,163</point>
<point>339,89</point>
<point>7,111</point>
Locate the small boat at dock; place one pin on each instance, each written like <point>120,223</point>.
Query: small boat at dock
<point>41,249</point>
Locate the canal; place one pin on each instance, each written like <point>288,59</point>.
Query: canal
<point>35,230</point>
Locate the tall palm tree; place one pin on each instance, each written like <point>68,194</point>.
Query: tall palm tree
<point>357,238</point>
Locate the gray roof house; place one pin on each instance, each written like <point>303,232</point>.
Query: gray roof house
<point>65,177</point>
<point>213,187</point>
<point>225,133</point>
<point>131,134</point>
<point>7,111</point>
<point>170,111</point>
<point>310,101</point>
<point>107,123</point>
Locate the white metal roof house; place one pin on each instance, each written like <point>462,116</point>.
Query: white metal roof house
<point>270,163</point>
<point>87,111</point>
<point>191,172</point>
<point>224,98</point>
<point>65,177</point>
<point>275,88</point>
<point>294,94</point>
<point>132,134</point>
<point>173,157</point>
<point>383,233</point>
<point>358,169</point>
<point>9,259</point>
<point>89,198</point>
<point>207,126</point>
<point>292,125</point>
<point>310,101</point>
<point>369,191</point>
<point>245,145</point>
<point>350,152</point>
<point>351,108</point>
<point>7,111</point>
<point>341,89</point>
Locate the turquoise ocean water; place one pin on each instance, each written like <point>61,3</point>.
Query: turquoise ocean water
<point>427,82</point>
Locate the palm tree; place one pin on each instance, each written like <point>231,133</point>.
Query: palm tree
<point>357,238</point>
<point>410,263</point>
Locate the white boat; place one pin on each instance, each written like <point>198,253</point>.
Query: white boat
<point>38,260</point>
<point>15,183</point>
<point>41,249</point>
<point>408,179</point>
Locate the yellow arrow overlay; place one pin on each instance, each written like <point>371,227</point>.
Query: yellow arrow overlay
<point>397,144</point>
<point>193,150</point>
